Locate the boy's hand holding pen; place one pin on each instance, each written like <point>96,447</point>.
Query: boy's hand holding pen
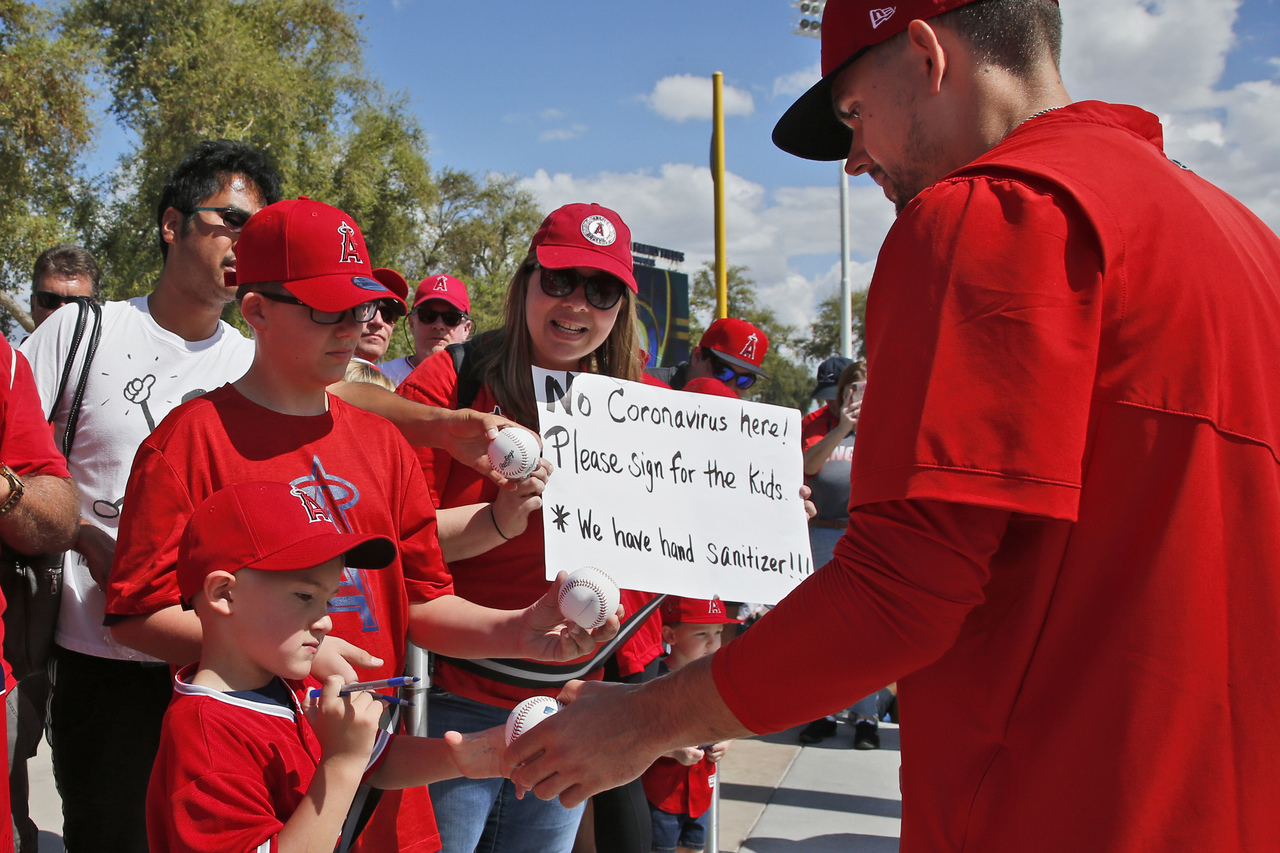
<point>371,686</point>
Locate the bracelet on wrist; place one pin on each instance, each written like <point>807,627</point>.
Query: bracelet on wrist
<point>494,518</point>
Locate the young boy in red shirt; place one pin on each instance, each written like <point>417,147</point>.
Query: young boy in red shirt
<point>679,784</point>
<point>248,760</point>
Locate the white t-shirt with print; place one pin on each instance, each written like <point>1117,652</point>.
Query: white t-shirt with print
<point>139,374</point>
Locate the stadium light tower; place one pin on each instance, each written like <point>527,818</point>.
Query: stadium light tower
<point>809,23</point>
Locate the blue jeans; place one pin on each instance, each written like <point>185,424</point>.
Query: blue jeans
<point>483,815</point>
<point>874,706</point>
<point>677,830</point>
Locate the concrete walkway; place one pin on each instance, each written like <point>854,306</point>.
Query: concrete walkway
<point>776,796</point>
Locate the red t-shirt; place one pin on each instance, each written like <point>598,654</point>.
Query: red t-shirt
<point>508,577</point>
<point>815,426</point>
<point>354,462</point>
<point>678,789</point>
<point>232,769</point>
<point>645,645</point>
<point>26,444</point>
<point>1067,528</point>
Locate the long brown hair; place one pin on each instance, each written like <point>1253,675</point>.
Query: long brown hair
<point>506,354</point>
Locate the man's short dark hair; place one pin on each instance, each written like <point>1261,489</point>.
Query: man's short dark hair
<point>206,170</point>
<point>1010,34</point>
<point>66,261</point>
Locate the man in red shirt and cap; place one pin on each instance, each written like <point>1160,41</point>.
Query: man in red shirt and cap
<point>1064,536</point>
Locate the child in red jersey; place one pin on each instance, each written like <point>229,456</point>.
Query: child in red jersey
<point>679,784</point>
<point>248,761</point>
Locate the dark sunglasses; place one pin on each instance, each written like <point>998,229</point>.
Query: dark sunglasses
<point>602,290</point>
<point>390,310</point>
<point>452,319</point>
<point>232,217</point>
<point>362,313</point>
<point>726,374</point>
<point>53,301</point>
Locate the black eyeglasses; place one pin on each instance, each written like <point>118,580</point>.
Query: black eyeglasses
<point>362,313</point>
<point>726,374</point>
<point>53,301</point>
<point>232,217</point>
<point>452,318</point>
<point>602,290</point>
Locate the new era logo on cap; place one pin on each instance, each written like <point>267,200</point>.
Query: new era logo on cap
<point>879,16</point>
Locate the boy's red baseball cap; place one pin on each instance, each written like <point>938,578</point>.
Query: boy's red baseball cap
<point>446,287</point>
<point>585,235</point>
<point>313,249</point>
<point>737,342</point>
<point>702,611</point>
<point>810,129</point>
<point>271,527</point>
<point>396,283</point>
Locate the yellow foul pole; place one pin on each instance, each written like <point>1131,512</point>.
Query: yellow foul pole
<point>717,177</point>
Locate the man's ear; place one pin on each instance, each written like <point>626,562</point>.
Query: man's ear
<point>219,591</point>
<point>251,310</point>
<point>171,225</point>
<point>924,45</point>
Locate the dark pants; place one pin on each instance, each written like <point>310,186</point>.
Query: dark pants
<point>622,821</point>
<point>104,728</point>
<point>24,711</point>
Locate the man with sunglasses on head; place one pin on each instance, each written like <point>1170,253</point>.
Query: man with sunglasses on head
<point>731,351</point>
<point>61,274</point>
<point>155,351</point>
<point>440,316</point>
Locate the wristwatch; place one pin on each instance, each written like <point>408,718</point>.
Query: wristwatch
<point>16,488</point>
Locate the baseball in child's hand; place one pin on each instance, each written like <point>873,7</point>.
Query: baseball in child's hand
<point>589,597</point>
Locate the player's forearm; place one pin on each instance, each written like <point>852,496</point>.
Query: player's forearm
<point>466,531</point>
<point>458,628</point>
<point>172,635</point>
<point>317,821</point>
<point>420,424</point>
<point>46,517</point>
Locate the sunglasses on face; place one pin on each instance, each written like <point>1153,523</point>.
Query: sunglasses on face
<point>602,290</point>
<point>389,310</point>
<point>452,319</point>
<point>726,374</point>
<point>232,217</point>
<point>361,313</point>
<point>53,301</point>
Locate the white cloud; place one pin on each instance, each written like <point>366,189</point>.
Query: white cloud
<point>560,134</point>
<point>765,231</point>
<point>797,82</point>
<point>552,114</point>
<point>683,97</point>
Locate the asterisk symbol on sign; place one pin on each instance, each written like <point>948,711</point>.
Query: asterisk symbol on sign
<point>561,515</point>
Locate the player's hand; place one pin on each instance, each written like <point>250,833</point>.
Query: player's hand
<point>546,635</point>
<point>716,751</point>
<point>338,657</point>
<point>591,745</point>
<point>466,434</point>
<point>688,756</point>
<point>512,506</point>
<point>810,508</point>
<point>477,755</point>
<point>346,726</point>
<point>98,549</point>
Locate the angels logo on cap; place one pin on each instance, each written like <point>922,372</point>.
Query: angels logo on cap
<point>350,254</point>
<point>442,283</point>
<point>749,348</point>
<point>599,230</point>
<point>315,511</point>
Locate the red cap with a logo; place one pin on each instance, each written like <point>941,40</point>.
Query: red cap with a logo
<point>446,287</point>
<point>314,250</point>
<point>737,342</point>
<point>586,235</point>
<point>699,610</point>
<point>271,527</point>
<point>394,282</point>
<point>810,129</point>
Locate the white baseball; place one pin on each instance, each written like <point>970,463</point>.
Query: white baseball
<point>589,597</point>
<point>528,714</point>
<point>514,453</point>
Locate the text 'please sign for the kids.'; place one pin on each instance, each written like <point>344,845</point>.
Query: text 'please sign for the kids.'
<point>669,491</point>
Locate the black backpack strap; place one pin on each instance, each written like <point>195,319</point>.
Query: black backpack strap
<point>466,361</point>
<point>84,307</point>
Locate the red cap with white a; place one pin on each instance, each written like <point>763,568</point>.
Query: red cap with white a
<point>586,235</point>
<point>739,343</point>
<point>446,287</point>
<point>702,611</point>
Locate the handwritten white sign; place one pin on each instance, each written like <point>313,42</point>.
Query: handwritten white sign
<point>670,491</point>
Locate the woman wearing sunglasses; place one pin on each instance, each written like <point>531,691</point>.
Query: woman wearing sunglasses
<point>441,316</point>
<point>570,306</point>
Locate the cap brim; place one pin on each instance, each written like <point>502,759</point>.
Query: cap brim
<point>361,550</point>
<point>338,292</point>
<point>452,300</point>
<point>393,281</point>
<point>742,363</point>
<point>564,257</point>
<point>810,129</point>
<point>824,392</point>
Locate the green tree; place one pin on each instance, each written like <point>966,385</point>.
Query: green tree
<point>824,333</point>
<point>44,127</point>
<point>790,381</point>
